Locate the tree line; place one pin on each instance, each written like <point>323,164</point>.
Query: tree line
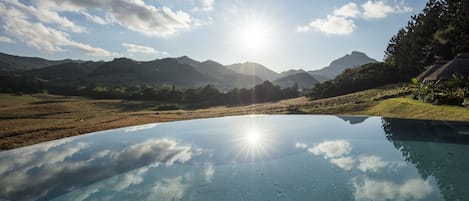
<point>208,95</point>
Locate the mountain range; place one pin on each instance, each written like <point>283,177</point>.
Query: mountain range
<point>183,72</point>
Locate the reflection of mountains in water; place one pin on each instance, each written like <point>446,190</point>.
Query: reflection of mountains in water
<point>353,119</point>
<point>437,149</point>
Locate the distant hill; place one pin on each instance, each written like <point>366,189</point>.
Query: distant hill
<point>19,63</point>
<point>254,69</point>
<point>226,78</point>
<point>320,78</point>
<point>157,72</point>
<point>288,73</point>
<point>337,66</point>
<point>302,78</point>
<point>182,72</point>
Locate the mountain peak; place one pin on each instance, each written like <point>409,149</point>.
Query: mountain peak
<point>357,53</point>
<point>354,59</point>
<point>253,69</point>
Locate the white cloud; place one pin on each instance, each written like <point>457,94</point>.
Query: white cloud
<point>412,189</point>
<point>46,16</point>
<point>300,145</point>
<point>53,162</point>
<point>372,163</point>
<point>380,9</point>
<point>331,149</point>
<point>209,172</point>
<point>334,25</point>
<point>134,15</point>
<point>4,39</point>
<point>144,126</point>
<point>342,20</point>
<point>207,5</point>
<point>132,48</point>
<point>345,163</point>
<point>168,189</point>
<point>40,36</point>
<point>96,19</point>
<point>376,9</point>
<point>348,10</point>
<point>45,38</point>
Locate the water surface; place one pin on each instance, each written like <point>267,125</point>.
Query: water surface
<point>260,157</point>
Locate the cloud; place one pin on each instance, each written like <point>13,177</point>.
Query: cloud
<point>207,5</point>
<point>46,16</point>
<point>4,39</point>
<point>334,25</point>
<point>342,20</point>
<point>45,38</point>
<point>140,127</point>
<point>132,48</point>
<point>40,36</point>
<point>412,189</point>
<point>348,10</point>
<point>133,15</point>
<point>376,9</point>
<point>209,172</point>
<point>169,189</point>
<point>301,145</point>
<point>96,19</point>
<point>372,163</point>
<point>331,149</point>
<point>345,163</point>
<point>46,167</point>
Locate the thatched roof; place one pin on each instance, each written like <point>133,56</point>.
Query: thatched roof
<point>459,65</point>
<point>431,69</point>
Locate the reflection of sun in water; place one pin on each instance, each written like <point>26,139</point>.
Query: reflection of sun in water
<point>252,138</point>
<point>253,144</point>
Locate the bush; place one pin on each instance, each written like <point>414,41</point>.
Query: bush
<point>454,91</point>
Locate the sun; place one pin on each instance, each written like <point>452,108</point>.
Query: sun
<point>254,35</point>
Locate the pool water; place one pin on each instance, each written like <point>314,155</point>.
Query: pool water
<point>256,157</point>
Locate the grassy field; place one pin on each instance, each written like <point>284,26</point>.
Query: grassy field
<point>30,119</point>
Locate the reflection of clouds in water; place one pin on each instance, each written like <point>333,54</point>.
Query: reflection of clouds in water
<point>301,145</point>
<point>331,149</point>
<point>208,173</point>
<point>140,127</point>
<point>345,163</point>
<point>28,155</point>
<point>51,167</point>
<point>374,163</point>
<point>169,189</point>
<point>412,189</point>
<point>337,151</point>
<point>164,150</point>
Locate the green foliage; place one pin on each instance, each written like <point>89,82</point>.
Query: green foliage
<point>11,83</point>
<point>352,80</point>
<point>439,32</point>
<point>454,91</point>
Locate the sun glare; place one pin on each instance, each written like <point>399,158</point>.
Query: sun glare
<point>254,35</point>
<point>252,138</point>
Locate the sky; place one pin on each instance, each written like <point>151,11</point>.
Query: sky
<point>282,35</point>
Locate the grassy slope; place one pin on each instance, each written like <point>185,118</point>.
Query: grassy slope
<point>31,119</point>
<point>408,108</point>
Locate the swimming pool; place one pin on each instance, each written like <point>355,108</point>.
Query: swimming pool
<point>256,157</point>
